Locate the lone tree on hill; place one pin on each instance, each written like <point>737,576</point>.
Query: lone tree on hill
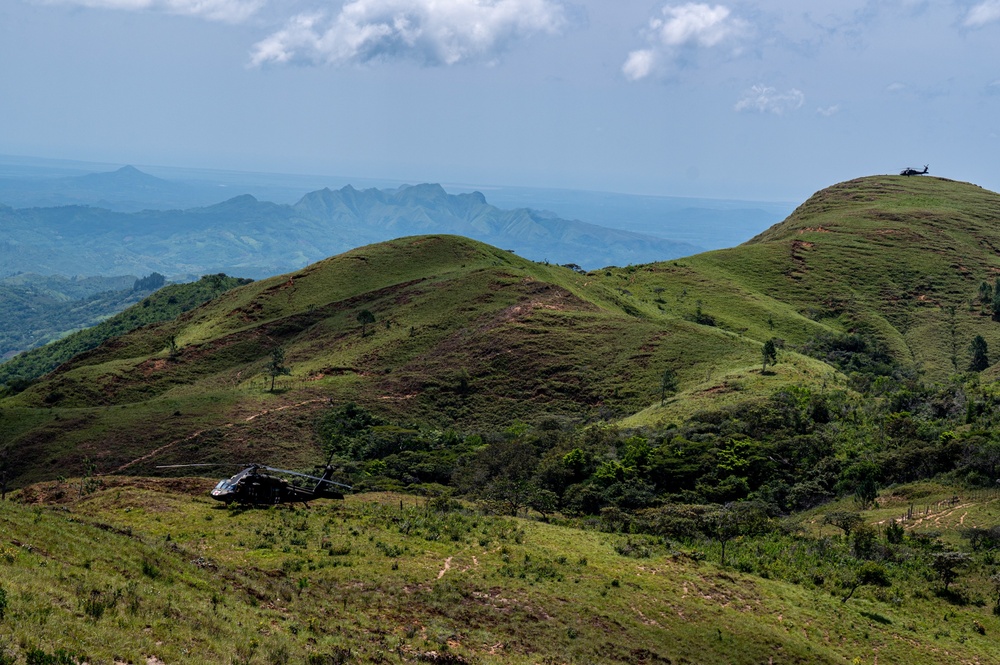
<point>870,573</point>
<point>769,353</point>
<point>364,318</point>
<point>735,519</point>
<point>277,366</point>
<point>985,296</point>
<point>946,565</point>
<point>845,521</point>
<point>668,384</point>
<point>173,352</point>
<point>980,354</point>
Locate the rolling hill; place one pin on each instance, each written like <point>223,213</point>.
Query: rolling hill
<point>690,504</point>
<point>468,335</point>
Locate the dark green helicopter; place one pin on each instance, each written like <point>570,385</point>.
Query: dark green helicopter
<point>254,486</point>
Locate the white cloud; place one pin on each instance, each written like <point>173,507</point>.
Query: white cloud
<point>232,11</point>
<point>764,99</point>
<point>983,13</point>
<point>695,23</point>
<point>689,26</point>
<point>639,64</point>
<point>829,110</point>
<point>895,87</point>
<point>433,32</point>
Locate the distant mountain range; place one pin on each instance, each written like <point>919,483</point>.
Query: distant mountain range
<point>250,238</point>
<point>126,190</point>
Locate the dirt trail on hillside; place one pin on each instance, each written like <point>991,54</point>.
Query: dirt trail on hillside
<point>195,435</point>
<point>447,567</point>
<point>935,518</point>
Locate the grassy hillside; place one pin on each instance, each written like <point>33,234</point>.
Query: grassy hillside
<point>146,308</point>
<point>839,505</point>
<point>37,309</point>
<point>470,336</point>
<point>139,570</point>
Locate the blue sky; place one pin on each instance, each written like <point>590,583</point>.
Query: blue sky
<point>767,100</point>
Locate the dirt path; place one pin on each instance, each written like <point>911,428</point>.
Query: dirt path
<point>248,419</point>
<point>447,567</point>
<point>936,518</point>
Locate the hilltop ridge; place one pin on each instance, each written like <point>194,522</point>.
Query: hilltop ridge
<point>470,335</point>
<point>787,427</point>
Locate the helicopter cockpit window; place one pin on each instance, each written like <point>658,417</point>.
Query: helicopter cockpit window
<point>226,485</point>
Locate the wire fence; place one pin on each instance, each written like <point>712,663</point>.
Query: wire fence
<point>921,511</point>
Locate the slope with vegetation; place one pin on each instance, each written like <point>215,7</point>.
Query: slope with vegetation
<point>135,570</point>
<point>165,304</point>
<point>474,337</point>
<point>813,413</point>
<point>38,309</point>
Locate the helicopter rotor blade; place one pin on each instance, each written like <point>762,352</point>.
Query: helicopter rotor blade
<point>181,466</point>
<point>306,475</point>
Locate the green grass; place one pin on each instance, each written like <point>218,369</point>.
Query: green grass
<point>138,569</point>
<point>473,337</point>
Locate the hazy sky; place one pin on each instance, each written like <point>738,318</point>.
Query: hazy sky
<point>766,100</point>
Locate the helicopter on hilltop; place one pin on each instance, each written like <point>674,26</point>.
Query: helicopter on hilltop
<point>253,485</point>
<point>912,171</point>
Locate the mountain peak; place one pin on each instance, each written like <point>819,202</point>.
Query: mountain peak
<point>126,175</point>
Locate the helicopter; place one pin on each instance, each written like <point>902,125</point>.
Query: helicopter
<point>911,171</point>
<point>254,486</point>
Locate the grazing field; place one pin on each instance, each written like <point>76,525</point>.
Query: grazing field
<point>137,569</point>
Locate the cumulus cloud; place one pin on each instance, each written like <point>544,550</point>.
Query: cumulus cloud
<point>764,99</point>
<point>983,13</point>
<point>828,111</point>
<point>432,32</point>
<point>683,27</point>
<point>232,11</point>
<point>639,64</point>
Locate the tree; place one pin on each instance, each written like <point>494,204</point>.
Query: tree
<point>866,492</point>
<point>844,520</point>
<point>985,296</point>
<point>364,318</point>
<point>870,573</point>
<point>735,519</point>
<point>544,501</point>
<point>769,354</point>
<point>946,565</point>
<point>150,283</point>
<point>508,495</point>
<point>172,351</point>
<point>894,533</point>
<point>500,475</point>
<point>668,384</point>
<point>277,366</point>
<point>980,354</point>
